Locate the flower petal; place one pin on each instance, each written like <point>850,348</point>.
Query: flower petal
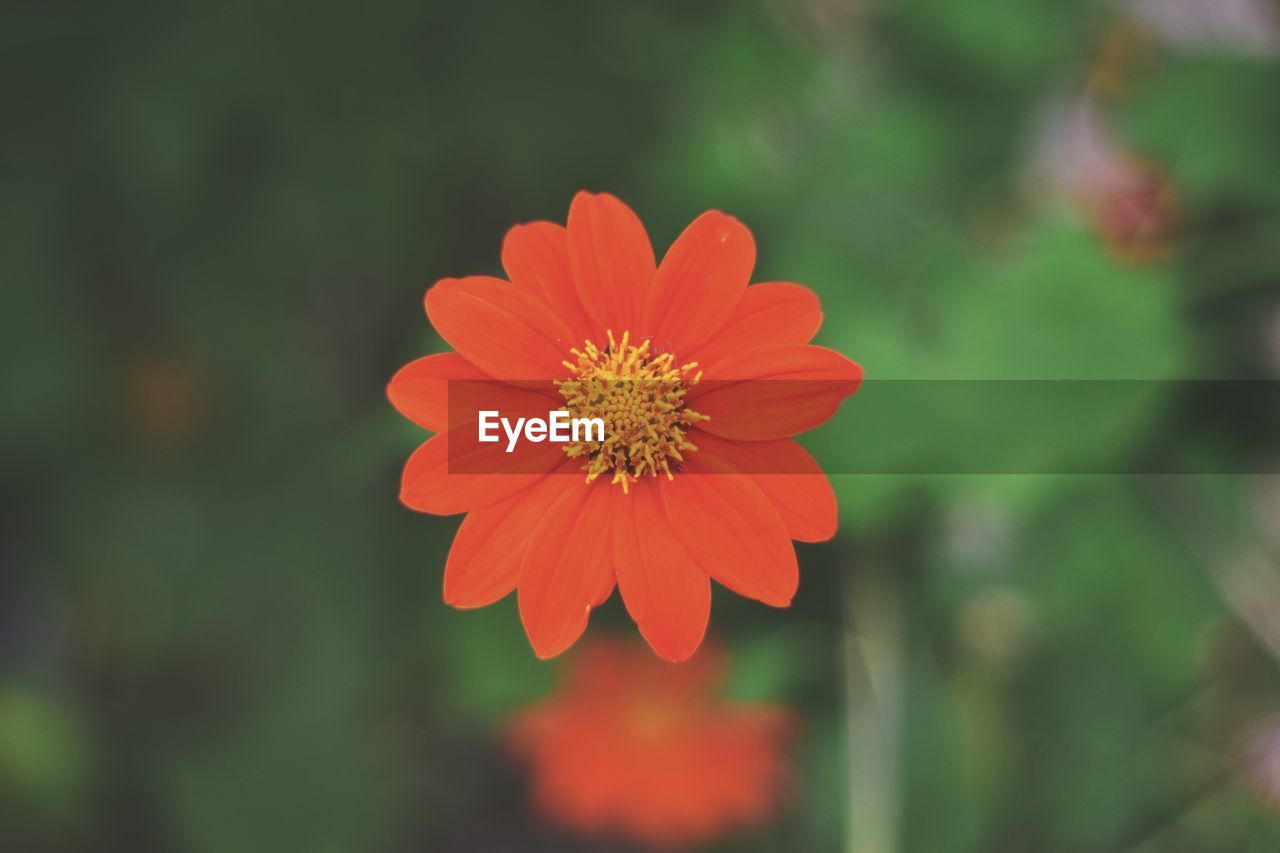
<point>773,392</point>
<point>733,533</point>
<point>787,475</point>
<point>505,331</point>
<point>484,561</point>
<point>665,592</point>
<point>612,262</point>
<point>566,570</point>
<point>536,257</point>
<point>770,314</point>
<point>700,282</point>
<point>420,389</point>
<point>427,485</point>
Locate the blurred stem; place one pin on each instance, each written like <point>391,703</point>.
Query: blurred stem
<point>1152,826</point>
<point>873,698</point>
<point>1245,576</point>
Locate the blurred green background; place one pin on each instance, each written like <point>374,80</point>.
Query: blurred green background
<point>221,632</point>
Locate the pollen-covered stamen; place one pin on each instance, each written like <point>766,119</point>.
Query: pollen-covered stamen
<point>641,399</point>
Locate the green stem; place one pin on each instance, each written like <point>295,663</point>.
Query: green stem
<point>873,700</point>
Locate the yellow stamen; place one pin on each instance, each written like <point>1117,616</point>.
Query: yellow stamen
<point>641,399</point>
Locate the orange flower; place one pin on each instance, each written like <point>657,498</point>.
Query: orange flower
<point>702,381</point>
<point>633,746</point>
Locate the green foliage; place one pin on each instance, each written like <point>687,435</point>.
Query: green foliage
<point>44,755</point>
<point>219,631</point>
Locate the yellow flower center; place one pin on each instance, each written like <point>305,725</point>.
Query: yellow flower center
<point>641,399</point>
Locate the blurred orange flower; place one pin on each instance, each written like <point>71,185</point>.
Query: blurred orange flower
<point>634,746</point>
<point>166,400</point>
<point>694,373</point>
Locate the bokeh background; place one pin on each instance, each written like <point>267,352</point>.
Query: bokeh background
<point>221,632</point>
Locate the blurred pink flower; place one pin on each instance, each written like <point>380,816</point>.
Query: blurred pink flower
<point>1239,26</point>
<point>1126,198</point>
<point>1262,762</point>
<point>1273,343</point>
